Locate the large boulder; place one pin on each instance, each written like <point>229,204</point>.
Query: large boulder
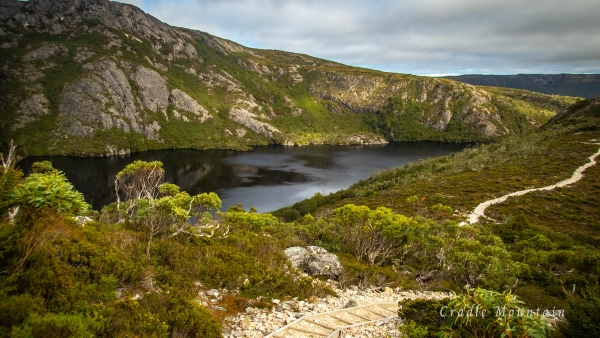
<point>314,260</point>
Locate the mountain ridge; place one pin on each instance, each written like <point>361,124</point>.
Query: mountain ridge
<point>583,85</point>
<point>93,77</point>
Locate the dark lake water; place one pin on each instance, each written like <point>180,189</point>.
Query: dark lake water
<point>266,178</point>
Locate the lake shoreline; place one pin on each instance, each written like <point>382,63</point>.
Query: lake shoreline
<point>128,152</point>
<point>266,178</point>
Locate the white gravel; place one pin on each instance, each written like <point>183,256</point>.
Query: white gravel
<point>261,322</point>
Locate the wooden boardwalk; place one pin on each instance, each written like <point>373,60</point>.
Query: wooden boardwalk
<point>330,324</point>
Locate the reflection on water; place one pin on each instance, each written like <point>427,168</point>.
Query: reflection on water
<point>267,178</point>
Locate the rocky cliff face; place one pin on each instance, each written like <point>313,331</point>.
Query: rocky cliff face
<point>92,77</point>
<point>368,93</point>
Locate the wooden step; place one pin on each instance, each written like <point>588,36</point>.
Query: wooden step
<point>349,317</point>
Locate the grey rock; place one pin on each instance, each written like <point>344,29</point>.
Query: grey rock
<point>314,260</point>
<point>82,54</point>
<point>296,255</point>
<point>253,66</point>
<point>183,101</point>
<point>112,150</point>
<point>248,120</point>
<point>45,51</point>
<point>440,122</point>
<point>32,108</point>
<point>213,292</point>
<point>218,308</point>
<point>30,73</point>
<point>286,306</point>
<point>82,220</point>
<point>294,75</point>
<point>152,88</point>
<point>156,65</point>
<point>102,98</point>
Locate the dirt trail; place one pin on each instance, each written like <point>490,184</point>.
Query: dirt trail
<point>577,175</point>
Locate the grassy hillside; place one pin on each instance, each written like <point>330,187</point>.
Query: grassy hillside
<point>541,158</point>
<point>139,268</point>
<point>555,234</point>
<point>115,80</point>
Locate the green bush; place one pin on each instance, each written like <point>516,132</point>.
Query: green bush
<point>49,190</point>
<point>8,182</point>
<point>486,313</point>
<point>59,325</point>
<point>582,317</point>
<point>477,313</point>
<point>422,317</point>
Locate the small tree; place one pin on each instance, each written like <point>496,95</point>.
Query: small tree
<point>582,318</point>
<point>482,261</point>
<point>161,207</point>
<point>49,190</point>
<point>38,197</point>
<point>371,235</point>
<point>189,214</point>
<point>137,181</point>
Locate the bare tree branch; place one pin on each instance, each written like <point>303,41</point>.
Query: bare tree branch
<point>11,158</point>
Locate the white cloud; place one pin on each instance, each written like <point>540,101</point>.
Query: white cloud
<point>419,37</point>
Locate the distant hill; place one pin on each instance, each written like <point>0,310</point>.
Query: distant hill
<point>581,85</point>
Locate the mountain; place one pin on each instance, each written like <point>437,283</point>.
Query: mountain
<point>582,85</point>
<point>95,78</point>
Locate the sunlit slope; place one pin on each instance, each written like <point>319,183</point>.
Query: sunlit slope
<point>105,78</point>
<point>481,173</point>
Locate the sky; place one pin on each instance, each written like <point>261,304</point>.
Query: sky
<point>424,37</point>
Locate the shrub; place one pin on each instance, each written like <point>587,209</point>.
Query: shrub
<point>582,317</point>
<point>422,317</point>
<point>371,235</point>
<point>59,325</point>
<point>49,190</point>
<point>486,313</point>
<point>477,313</point>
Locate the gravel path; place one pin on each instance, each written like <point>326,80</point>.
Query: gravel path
<point>577,175</point>
<point>257,323</point>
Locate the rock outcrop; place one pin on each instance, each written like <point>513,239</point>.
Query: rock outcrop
<point>314,260</point>
<point>104,97</point>
<point>31,109</point>
<point>183,101</point>
<point>248,119</point>
<point>152,88</point>
<point>367,93</point>
<point>44,52</point>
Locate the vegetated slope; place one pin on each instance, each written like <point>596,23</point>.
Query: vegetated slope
<point>553,236</point>
<point>96,77</point>
<point>582,85</point>
<point>139,268</point>
<point>465,179</point>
